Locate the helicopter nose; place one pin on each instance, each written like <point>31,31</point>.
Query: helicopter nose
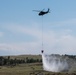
<point>39,14</point>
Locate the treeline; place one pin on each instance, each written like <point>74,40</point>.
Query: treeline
<point>13,62</point>
<point>31,60</point>
<point>69,56</point>
<point>7,61</point>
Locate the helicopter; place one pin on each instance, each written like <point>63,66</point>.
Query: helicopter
<point>42,12</point>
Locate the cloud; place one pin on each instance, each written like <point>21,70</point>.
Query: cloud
<point>66,44</point>
<point>68,22</point>
<point>61,42</point>
<point>20,48</point>
<point>1,34</point>
<point>25,30</point>
<point>62,45</point>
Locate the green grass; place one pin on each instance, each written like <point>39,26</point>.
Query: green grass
<point>23,69</point>
<point>26,69</point>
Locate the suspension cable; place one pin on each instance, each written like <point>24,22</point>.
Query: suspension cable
<point>42,33</point>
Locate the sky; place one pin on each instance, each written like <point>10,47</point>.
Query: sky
<point>21,27</point>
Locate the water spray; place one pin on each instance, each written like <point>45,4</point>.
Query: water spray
<point>54,63</point>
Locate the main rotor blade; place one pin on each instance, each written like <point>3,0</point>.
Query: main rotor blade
<point>36,10</point>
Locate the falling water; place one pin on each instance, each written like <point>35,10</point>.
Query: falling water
<point>54,63</point>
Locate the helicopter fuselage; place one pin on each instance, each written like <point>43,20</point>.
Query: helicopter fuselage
<point>42,13</point>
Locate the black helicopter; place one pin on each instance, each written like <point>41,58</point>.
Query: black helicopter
<point>41,13</point>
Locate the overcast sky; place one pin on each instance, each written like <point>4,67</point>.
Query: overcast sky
<point>21,27</point>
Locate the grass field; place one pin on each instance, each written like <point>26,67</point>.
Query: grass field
<point>23,69</point>
<point>30,69</point>
<point>24,56</point>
